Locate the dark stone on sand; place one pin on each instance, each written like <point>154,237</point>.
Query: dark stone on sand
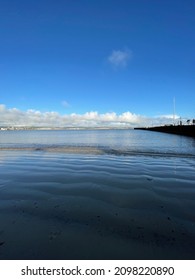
<point>38,149</point>
<point>149,179</point>
<point>2,242</point>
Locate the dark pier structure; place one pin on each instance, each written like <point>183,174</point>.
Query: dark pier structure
<point>186,130</point>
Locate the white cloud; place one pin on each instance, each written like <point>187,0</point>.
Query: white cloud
<point>120,58</point>
<point>15,117</point>
<point>168,116</point>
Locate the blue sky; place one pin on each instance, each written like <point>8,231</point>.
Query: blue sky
<point>82,57</point>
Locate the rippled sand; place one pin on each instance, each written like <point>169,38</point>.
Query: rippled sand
<point>95,205</point>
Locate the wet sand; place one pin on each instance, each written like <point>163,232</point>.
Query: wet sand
<point>90,206</point>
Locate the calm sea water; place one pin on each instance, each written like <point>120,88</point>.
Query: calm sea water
<point>96,194</point>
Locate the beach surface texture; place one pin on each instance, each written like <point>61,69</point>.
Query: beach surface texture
<point>96,194</point>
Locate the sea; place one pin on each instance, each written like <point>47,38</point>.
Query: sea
<point>96,194</point>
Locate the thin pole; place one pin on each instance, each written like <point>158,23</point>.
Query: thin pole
<point>174,109</point>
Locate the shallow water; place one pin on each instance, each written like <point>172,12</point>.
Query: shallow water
<point>96,195</point>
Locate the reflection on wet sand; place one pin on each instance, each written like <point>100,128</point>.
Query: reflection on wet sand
<point>70,206</point>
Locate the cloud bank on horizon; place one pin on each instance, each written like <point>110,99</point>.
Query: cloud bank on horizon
<point>16,117</point>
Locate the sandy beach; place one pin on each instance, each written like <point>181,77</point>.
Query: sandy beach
<point>91,206</point>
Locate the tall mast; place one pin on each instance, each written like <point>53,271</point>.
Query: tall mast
<point>174,109</point>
